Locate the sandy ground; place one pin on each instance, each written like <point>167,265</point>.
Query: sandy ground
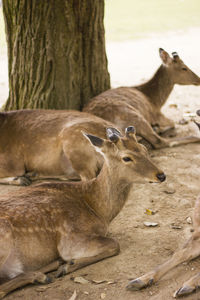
<point>143,248</point>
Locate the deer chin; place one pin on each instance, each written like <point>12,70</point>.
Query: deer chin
<point>146,180</point>
<point>154,182</point>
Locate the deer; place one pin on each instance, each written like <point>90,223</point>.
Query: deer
<point>62,226</point>
<point>190,250</point>
<point>142,104</point>
<point>39,145</point>
<point>48,144</point>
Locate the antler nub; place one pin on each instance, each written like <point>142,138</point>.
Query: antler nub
<point>130,130</point>
<point>175,55</point>
<point>113,134</point>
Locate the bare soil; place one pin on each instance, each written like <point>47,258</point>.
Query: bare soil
<point>142,247</point>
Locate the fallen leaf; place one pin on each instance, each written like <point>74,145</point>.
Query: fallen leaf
<point>80,279</point>
<point>73,297</point>
<point>86,293</point>
<point>98,281</point>
<point>150,212</point>
<point>42,288</point>
<point>111,282</point>
<point>176,226</point>
<point>189,220</point>
<point>150,224</point>
<point>169,191</point>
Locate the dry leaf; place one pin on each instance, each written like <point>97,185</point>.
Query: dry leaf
<point>150,224</point>
<point>98,281</point>
<point>80,279</point>
<point>111,282</point>
<point>176,226</point>
<point>189,220</point>
<point>169,191</point>
<point>150,212</point>
<point>73,297</point>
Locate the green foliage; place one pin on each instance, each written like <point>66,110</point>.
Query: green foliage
<point>129,19</point>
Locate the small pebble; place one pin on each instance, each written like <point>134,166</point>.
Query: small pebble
<point>189,220</point>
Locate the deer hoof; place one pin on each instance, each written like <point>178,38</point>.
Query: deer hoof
<point>62,270</point>
<point>138,284</point>
<point>23,180</point>
<point>42,278</point>
<point>2,294</point>
<point>185,290</point>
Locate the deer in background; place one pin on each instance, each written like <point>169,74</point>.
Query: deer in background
<point>48,144</point>
<point>69,220</point>
<point>190,251</point>
<point>44,144</point>
<point>142,104</point>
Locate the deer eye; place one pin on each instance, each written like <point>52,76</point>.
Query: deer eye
<point>126,158</point>
<point>184,69</point>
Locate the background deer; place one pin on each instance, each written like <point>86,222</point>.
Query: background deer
<point>41,224</point>
<point>44,144</point>
<point>142,104</point>
<point>47,143</point>
<point>190,251</point>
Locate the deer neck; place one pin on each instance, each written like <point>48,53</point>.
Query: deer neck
<point>107,193</point>
<point>158,88</point>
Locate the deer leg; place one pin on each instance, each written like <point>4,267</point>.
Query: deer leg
<point>164,124</point>
<point>22,280</point>
<point>189,286</point>
<point>143,129</point>
<point>19,181</point>
<point>53,178</point>
<point>190,251</point>
<point>183,141</point>
<point>92,251</point>
<point>28,278</point>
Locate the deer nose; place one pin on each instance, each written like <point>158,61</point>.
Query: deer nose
<point>161,176</point>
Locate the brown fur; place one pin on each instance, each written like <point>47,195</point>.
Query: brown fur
<point>189,251</point>
<point>41,224</point>
<point>141,105</point>
<point>47,144</point>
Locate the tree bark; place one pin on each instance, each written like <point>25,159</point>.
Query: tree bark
<point>56,53</point>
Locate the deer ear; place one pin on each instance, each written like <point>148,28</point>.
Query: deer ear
<point>166,59</point>
<point>94,140</point>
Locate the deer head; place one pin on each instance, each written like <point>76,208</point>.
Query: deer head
<point>178,71</point>
<point>126,157</point>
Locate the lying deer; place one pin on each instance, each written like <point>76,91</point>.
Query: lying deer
<point>142,104</point>
<point>44,144</point>
<point>69,220</point>
<point>190,251</point>
<point>40,144</point>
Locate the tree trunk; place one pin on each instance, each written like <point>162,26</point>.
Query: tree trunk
<point>56,53</point>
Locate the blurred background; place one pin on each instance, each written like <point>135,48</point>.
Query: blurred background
<point>134,32</point>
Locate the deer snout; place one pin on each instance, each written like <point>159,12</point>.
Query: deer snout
<point>161,176</point>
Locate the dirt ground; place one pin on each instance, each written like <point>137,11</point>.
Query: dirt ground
<point>142,248</point>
